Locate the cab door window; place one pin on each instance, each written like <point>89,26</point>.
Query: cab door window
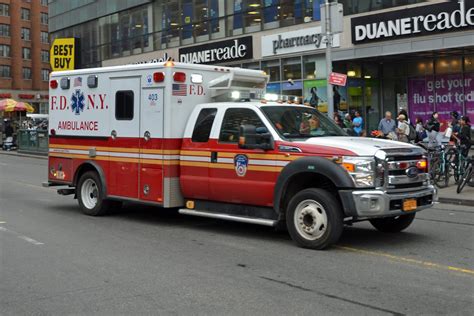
<point>233,118</point>
<point>203,126</point>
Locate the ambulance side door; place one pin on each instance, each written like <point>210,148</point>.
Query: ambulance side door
<point>152,155</point>
<point>124,143</point>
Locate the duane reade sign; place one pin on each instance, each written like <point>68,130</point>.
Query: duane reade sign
<point>417,21</point>
<point>217,52</point>
<point>296,42</point>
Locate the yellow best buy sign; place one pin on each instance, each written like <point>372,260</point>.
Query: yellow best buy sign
<point>64,54</point>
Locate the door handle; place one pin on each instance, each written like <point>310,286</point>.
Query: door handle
<point>113,134</point>
<point>214,157</point>
<point>147,136</point>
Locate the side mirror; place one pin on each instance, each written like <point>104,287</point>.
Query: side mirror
<point>251,138</point>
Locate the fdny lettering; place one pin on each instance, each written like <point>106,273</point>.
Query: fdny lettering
<point>91,102</point>
<point>78,125</point>
<point>94,101</point>
<point>196,89</point>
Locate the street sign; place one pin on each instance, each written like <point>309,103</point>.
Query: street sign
<point>337,79</point>
<point>64,54</point>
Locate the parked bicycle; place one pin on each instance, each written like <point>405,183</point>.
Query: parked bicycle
<point>467,177</point>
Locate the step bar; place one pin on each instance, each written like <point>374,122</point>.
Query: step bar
<point>242,219</point>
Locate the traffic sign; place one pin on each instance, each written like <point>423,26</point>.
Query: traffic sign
<point>337,79</point>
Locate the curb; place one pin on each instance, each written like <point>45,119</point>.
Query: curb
<point>17,154</point>
<point>463,202</point>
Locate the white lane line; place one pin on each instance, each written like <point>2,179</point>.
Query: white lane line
<point>22,237</point>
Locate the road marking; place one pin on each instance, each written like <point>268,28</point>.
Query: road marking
<point>3,222</point>
<point>422,263</point>
<point>22,237</point>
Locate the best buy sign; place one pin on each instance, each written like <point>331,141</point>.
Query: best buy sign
<point>64,54</point>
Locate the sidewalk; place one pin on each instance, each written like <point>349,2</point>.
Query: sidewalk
<point>446,195</point>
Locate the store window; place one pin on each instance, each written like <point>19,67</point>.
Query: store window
<point>25,34</point>
<point>4,9</point>
<point>469,63</point>
<point>4,50</point>
<point>420,67</point>
<point>4,30</point>
<point>25,14</point>
<point>359,6</point>
<point>26,73</point>
<point>448,65</point>
<point>272,68</point>
<point>201,26</point>
<point>44,37</point>
<point>44,74</point>
<point>314,67</point>
<point>252,16</point>
<point>5,71</point>
<point>26,53</point>
<point>292,68</point>
<point>354,70</point>
<point>255,65</point>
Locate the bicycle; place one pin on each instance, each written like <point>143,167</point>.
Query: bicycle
<point>458,162</point>
<point>439,165</point>
<point>467,176</point>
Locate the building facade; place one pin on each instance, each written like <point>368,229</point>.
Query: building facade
<point>398,54</point>
<point>24,52</point>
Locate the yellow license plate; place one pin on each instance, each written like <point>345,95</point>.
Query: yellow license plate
<point>409,205</point>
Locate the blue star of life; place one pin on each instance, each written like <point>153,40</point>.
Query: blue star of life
<point>77,102</point>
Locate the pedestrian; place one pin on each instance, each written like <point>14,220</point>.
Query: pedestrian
<point>404,112</point>
<point>455,121</point>
<point>387,124</point>
<point>358,123</point>
<point>336,97</point>
<point>314,100</point>
<point>432,127</point>
<point>420,130</point>
<point>8,129</point>
<point>403,129</point>
<point>338,120</point>
<point>464,135</point>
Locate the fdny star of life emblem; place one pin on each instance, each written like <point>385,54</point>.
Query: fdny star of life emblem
<point>240,163</point>
<point>77,102</point>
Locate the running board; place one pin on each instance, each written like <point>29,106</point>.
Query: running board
<point>242,219</point>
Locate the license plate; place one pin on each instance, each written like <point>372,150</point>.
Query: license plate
<point>409,205</point>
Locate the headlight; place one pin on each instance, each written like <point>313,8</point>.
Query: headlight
<point>362,170</point>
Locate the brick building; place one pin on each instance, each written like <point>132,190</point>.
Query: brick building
<point>24,52</point>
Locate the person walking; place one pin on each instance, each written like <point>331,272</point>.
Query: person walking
<point>432,126</point>
<point>338,120</point>
<point>358,123</point>
<point>387,124</point>
<point>403,129</point>
<point>420,130</point>
<point>464,135</point>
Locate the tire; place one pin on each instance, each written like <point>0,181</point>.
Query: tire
<point>466,178</point>
<point>314,219</point>
<point>90,195</point>
<point>393,224</point>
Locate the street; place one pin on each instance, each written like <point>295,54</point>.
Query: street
<point>142,260</point>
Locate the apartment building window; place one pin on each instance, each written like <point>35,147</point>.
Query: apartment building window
<point>44,3</point>
<point>4,30</point>
<point>26,53</point>
<point>44,18</point>
<point>45,74</point>
<point>5,71</point>
<point>4,9</point>
<point>26,73</point>
<point>45,56</point>
<point>44,37</point>
<point>25,34</point>
<point>25,14</point>
<point>4,50</point>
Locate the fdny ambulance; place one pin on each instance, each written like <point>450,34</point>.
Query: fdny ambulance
<point>190,137</point>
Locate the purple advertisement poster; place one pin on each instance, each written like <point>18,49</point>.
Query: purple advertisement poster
<point>442,93</point>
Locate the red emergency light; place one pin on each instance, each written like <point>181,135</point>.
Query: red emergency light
<point>179,77</point>
<point>158,77</point>
<point>53,84</point>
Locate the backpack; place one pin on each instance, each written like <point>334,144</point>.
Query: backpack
<point>412,135</point>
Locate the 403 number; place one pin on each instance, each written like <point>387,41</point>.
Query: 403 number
<point>153,97</point>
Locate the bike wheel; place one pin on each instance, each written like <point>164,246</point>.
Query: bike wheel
<point>465,179</point>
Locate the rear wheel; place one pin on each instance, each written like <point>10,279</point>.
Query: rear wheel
<point>314,219</point>
<point>393,224</point>
<point>91,196</point>
<point>466,178</point>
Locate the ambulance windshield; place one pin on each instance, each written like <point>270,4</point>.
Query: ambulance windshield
<point>301,122</point>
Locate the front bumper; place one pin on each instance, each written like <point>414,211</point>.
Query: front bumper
<point>366,204</point>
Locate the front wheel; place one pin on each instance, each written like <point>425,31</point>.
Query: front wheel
<point>314,219</point>
<point>466,178</point>
<point>393,224</point>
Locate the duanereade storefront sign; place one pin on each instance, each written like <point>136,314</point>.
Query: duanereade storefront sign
<point>417,21</point>
<point>296,42</point>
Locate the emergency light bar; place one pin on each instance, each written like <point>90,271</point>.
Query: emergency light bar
<point>238,86</point>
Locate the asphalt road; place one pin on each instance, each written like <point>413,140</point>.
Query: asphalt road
<point>142,260</point>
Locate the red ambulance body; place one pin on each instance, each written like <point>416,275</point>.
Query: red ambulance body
<point>189,137</point>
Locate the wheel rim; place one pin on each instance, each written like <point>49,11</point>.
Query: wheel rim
<point>310,219</point>
<point>89,193</point>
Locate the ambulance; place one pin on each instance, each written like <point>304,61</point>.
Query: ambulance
<point>202,140</point>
